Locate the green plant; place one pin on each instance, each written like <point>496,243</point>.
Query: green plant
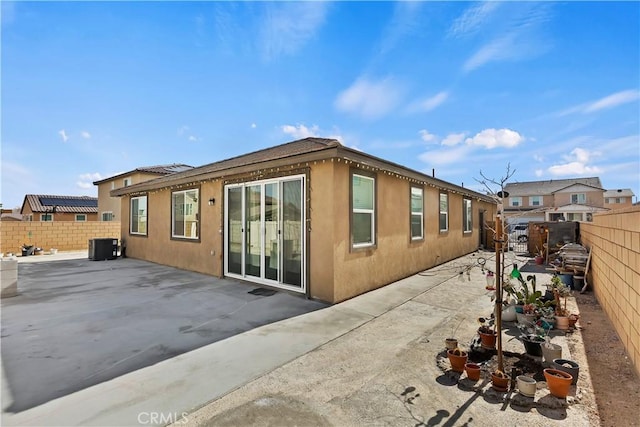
<point>485,328</point>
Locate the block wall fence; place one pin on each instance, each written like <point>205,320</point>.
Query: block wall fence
<point>614,240</point>
<point>64,236</point>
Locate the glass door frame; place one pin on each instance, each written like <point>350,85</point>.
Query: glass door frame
<point>303,232</point>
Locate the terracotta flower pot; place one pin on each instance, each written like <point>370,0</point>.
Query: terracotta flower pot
<point>488,340</point>
<point>473,371</point>
<point>558,382</point>
<point>499,383</point>
<point>457,362</point>
<point>562,323</point>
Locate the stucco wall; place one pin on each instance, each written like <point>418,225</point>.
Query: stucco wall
<point>106,203</point>
<point>395,256</point>
<point>203,255</point>
<point>336,272</point>
<point>593,198</point>
<point>62,235</point>
<point>614,239</point>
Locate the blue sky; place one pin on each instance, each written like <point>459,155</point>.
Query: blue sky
<point>98,88</point>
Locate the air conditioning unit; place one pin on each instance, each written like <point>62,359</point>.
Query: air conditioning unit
<point>103,249</point>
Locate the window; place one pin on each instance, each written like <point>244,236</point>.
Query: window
<point>535,200</point>
<point>126,182</point>
<point>29,217</point>
<point>516,201</point>
<point>444,212</point>
<point>620,200</point>
<point>113,185</point>
<point>184,209</point>
<point>417,213</point>
<point>46,217</point>
<point>81,217</point>
<point>138,220</point>
<point>107,216</point>
<point>610,200</point>
<point>363,213</point>
<point>574,216</point>
<point>578,199</point>
<point>466,216</point>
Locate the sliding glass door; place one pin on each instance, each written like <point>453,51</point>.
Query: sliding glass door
<point>264,234</point>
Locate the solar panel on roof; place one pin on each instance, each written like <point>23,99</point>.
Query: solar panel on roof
<point>74,203</point>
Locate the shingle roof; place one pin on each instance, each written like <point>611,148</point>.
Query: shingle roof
<point>302,150</point>
<point>540,188</point>
<point>72,204</point>
<point>625,192</point>
<point>158,169</point>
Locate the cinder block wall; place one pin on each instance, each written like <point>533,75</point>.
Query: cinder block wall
<point>614,239</point>
<point>64,236</point>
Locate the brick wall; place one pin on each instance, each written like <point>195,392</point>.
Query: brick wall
<point>64,236</point>
<point>614,239</point>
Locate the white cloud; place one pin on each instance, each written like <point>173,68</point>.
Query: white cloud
<point>538,158</point>
<point>576,164</point>
<point>613,100</point>
<point>405,20</point>
<point>426,136</point>
<point>430,103</point>
<point>499,49</point>
<point>85,134</point>
<point>472,19</point>
<point>193,138</point>
<point>96,176</point>
<point>63,135</point>
<point>369,99</point>
<point>539,172</point>
<point>516,37</point>
<point>85,180</point>
<point>300,131</point>
<point>492,138</point>
<point>453,139</point>
<point>253,125</point>
<point>288,26</point>
<point>182,130</point>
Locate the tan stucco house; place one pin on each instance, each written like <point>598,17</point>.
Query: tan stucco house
<point>618,199</point>
<point>43,207</point>
<point>109,207</point>
<point>310,216</point>
<point>575,199</point>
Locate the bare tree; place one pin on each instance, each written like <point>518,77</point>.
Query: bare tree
<point>500,237</point>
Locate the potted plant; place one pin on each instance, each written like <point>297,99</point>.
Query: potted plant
<point>568,366</point>
<point>487,334</point>
<point>451,343</point>
<point>539,257</point>
<point>558,382</point>
<point>458,359</point>
<point>499,380</point>
<point>560,290</point>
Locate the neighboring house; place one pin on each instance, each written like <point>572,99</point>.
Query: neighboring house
<point>109,207</point>
<point>575,199</point>
<point>11,215</point>
<point>41,207</point>
<point>618,199</point>
<point>310,216</point>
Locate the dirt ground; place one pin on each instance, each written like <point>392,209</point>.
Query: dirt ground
<point>615,382</point>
